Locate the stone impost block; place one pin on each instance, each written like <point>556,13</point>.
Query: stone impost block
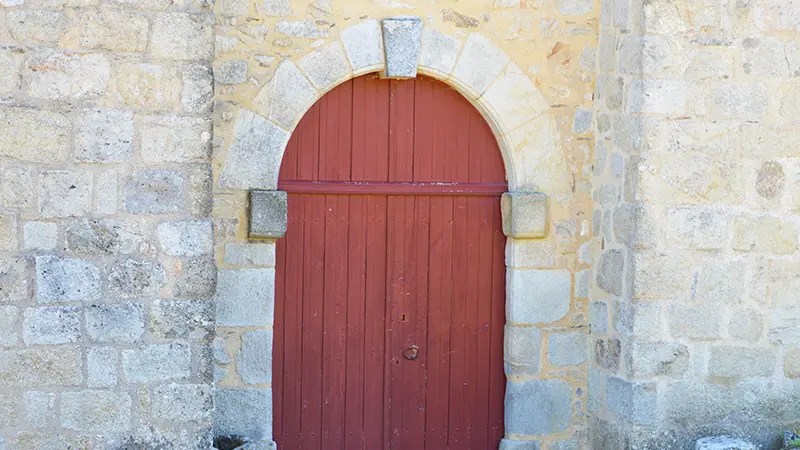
<point>268,214</point>
<point>401,44</point>
<point>537,407</point>
<point>524,214</point>
<point>243,412</point>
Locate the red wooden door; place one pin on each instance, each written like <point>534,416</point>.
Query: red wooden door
<point>394,246</point>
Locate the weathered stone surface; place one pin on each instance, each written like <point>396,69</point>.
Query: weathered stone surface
<point>107,198</point>
<point>10,64</point>
<point>307,29</point>
<point>197,95</point>
<point>364,46</point>
<point>537,407</point>
<point>740,100</point>
<point>699,228</point>
<point>104,136</point>
<point>182,402</point>
<point>708,401</point>
<point>791,363</point>
<point>746,325</point>
<point>250,362</point>
<point>96,411</point>
<point>574,7</point>
<point>65,193</point>
<point>133,278</point>
<point>508,444</point>
<point>659,96</point>
<point>529,253</point>
<point>721,281</point>
<point>17,187</point>
<point>103,236</point>
<point>64,75</point>
<point>438,52</point>
<point>52,325</point>
<point>243,412</point>
<point>598,317</point>
<point>102,367</point>
<point>565,445</point>
<point>66,280</point>
<point>637,319</point>
<point>8,232</point>
<point>8,326</point>
<point>182,36</point>
<point>182,319</point>
<point>113,29</point>
<point>770,180</point>
<point>41,366</point>
<point>524,214</point>
<point>245,297</point>
<point>268,214</point>
<point>154,192</point>
<point>568,349</point>
<point>230,72</point>
<point>31,135</point>
<point>254,157</point>
<point>249,254</point>
<point>197,279</point>
<point>401,41</point>
<point>276,7</point>
<point>611,271</point>
<point>632,402</point>
<point>15,285</point>
<point>694,321</point>
<point>741,362</point>
<point>479,64</point>
<point>283,100</point>
<point>537,296</point>
<point>186,237</point>
<point>662,275</point>
<point>326,67</point>
<point>159,362</point>
<point>37,25</point>
<point>583,121</point>
<point>648,359</point>
<point>119,323</point>
<point>644,54</point>
<point>512,98</point>
<point>458,19</point>
<point>783,328</point>
<point>9,410</point>
<point>148,86</point>
<point>723,443</point>
<point>522,350</point>
<point>764,234</point>
<point>39,408</point>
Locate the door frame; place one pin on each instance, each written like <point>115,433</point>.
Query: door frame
<point>538,183</point>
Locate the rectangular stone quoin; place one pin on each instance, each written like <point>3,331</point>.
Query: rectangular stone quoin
<point>401,45</point>
<point>524,214</point>
<point>267,214</point>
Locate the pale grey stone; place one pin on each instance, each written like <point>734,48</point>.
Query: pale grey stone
<point>8,232</point>
<point>284,100</point>
<point>104,136</point>
<point>632,402</point>
<point>582,122</point>
<point>659,96</point>
<point>607,53</point>
<point>186,237</point>
<point>65,75</point>
<point>565,445</point>
<point>158,362</point>
<point>182,402</point>
<point>8,326</point>
<point>233,7</point>
<point>524,214</point>
<point>197,279</point>
<point>648,359</point>
<point>197,95</point>
<point>662,275</point>
<point>438,52</point>
<point>243,412</point>
<point>66,280</point>
<point>268,214</point>
<point>703,229</point>
<point>574,7</point>
<point>133,278</point>
<point>522,350</point>
<point>637,319</point>
<point>694,321</point>
<point>10,64</point>
<point>113,29</point>
<point>326,67</point>
<point>37,25</point>
<point>106,199</point>
<point>220,354</point>
<point>249,254</point>
<point>696,402</point>
<point>245,297</point>
<point>119,323</point>
<point>182,36</point>
<point>644,55</point>
<point>611,271</point>
<point>364,46</point>
<point>594,388</point>
<point>65,193</point>
<point>582,283</point>
<point>401,42</point>
<point>182,319</point>
<point>41,366</point>
<point>198,197</point>
<point>600,157</point>
<point>52,325</point>
<point>96,411</point>
<point>254,157</point>
<point>783,328</point>
<point>479,64</point>
<point>770,180</point>
<point>154,192</point>
<point>276,8</point>
<point>39,235</point>
<point>9,410</point>
<point>567,349</point>
<point>102,366</point>
<point>723,443</point>
<point>741,362</point>
<point>617,165</point>
<point>740,100</point>
<point>174,138</point>
<point>251,364</point>
<point>636,134</point>
<point>231,72</point>
<point>18,185</point>
<point>103,236</point>
<point>301,28</point>
<point>746,325</point>
<point>32,135</point>
<point>538,296</point>
<point>537,407</point>
<point>39,408</point>
<point>529,253</point>
<point>508,444</point>
<point>15,280</point>
<point>598,317</point>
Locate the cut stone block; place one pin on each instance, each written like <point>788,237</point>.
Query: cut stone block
<point>401,44</point>
<point>268,214</point>
<point>524,214</point>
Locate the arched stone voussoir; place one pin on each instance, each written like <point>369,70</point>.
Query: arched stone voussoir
<point>363,43</point>
<point>254,159</point>
<point>438,54</point>
<point>535,158</point>
<point>289,94</point>
<point>478,65</point>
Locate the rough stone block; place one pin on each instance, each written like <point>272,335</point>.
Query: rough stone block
<point>653,358</point>
<point>582,283</point>
<point>182,319</point>
<point>113,29</point>
<point>120,323</point>
<point>662,275</point>
<point>594,389</point>
<point>644,54</point>
<point>251,364</point>
<point>741,362</point>
<point>145,86</point>
<point>245,297</point>
<point>33,135</point>
<point>326,67</point>
<point>66,280</point>
<point>764,234</point>
<point>522,350</point>
<point>159,362</point>
<point>102,367</point>
<point>697,228</point>
<point>66,76</point>
<point>8,232</point>
<point>528,253</point>
<point>243,412</point>
<point>106,199</point>
<point>230,72</point>
<point>306,29</point>
<point>284,100</point>
<point>18,185</point>
<point>438,52</point>
<point>791,363</point>
<point>565,445</point>
<point>197,95</point>
<point>103,237</point>
<point>39,235</point>
<point>723,443</point>
<point>154,192</point>
<point>36,25</point>
<point>15,280</point>
<point>276,8</point>
<point>632,402</point>
<point>637,319</point>
<point>186,237</point>
<point>40,408</point>
<point>8,326</point>
<point>95,411</point>
<point>401,42</point>
<point>246,254</point>
<point>537,407</point>
<point>182,402</point>
<point>537,296</point>
<point>41,366</point>
<point>363,44</point>
<point>254,157</point>
<point>268,214</point>
<point>133,278</point>
<point>65,193</point>
<point>659,96</point>
<point>513,100</point>
<point>739,100</point>
<point>598,317</point>
<point>479,63</point>
<point>52,325</point>
<point>197,279</point>
<point>721,281</point>
<point>574,7</point>
<point>568,349</point>
<point>182,36</point>
<point>524,214</point>
<point>508,444</point>
<point>746,325</point>
<point>10,63</point>
<point>611,272</point>
<point>9,410</point>
<point>783,328</point>
<point>174,138</point>
<point>694,321</point>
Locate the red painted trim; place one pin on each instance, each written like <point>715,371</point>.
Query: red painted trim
<point>384,188</point>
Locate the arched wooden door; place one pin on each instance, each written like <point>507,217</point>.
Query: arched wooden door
<point>391,279</point>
